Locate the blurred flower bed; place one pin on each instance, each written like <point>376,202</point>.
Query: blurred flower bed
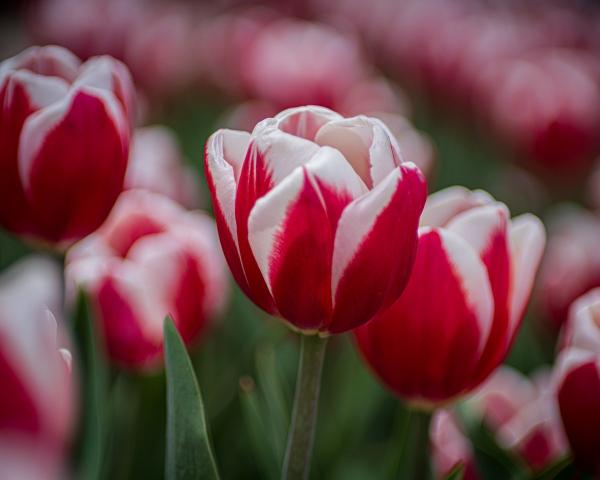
<point>498,96</point>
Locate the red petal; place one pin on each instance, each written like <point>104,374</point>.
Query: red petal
<point>373,266</point>
<point>76,172</point>
<point>426,345</point>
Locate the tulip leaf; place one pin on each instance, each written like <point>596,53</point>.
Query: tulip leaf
<point>563,468</point>
<point>188,453</point>
<point>93,382</point>
<point>457,473</point>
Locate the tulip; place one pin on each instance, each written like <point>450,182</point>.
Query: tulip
<point>156,164</point>
<point>149,259</point>
<point>524,416</point>
<point>577,380</point>
<point>459,314</point>
<point>317,216</point>
<point>571,265</point>
<point>37,403</point>
<point>64,138</point>
<point>451,449</point>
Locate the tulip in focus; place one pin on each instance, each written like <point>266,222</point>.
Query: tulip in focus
<point>37,407</point>
<point>156,164</point>
<point>577,378</point>
<point>463,303</point>
<point>524,416</point>
<point>571,265</point>
<point>451,448</point>
<point>64,139</point>
<point>317,215</point>
<point>149,259</point>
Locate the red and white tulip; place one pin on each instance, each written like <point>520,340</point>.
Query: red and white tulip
<point>464,301</point>
<point>37,407</point>
<point>149,259</point>
<point>317,215</point>
<point>64,139</point>
<point>577,378</point>
<point>524,415</point>
<point>156,164</point>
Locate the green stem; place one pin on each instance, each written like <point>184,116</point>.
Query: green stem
<point>414,454</point>
<point>296,464</point>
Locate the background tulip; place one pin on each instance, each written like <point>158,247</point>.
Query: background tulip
<point>156,164</point>
<point>577,378</point>
<point>451,448</point>
<point>571,264</point>
<point>64,138</point>
<point>524,416</point>
<point>317,215</point>
<point>149,259</point>
<point>37,402</point>
<point>464,301</point>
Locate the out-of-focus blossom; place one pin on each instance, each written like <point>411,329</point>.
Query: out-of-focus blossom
<point>149,259</point>
<point>479,266</point>
<point>37,407</point>
<point>548,110</point>
<point>294,63</point>
<point>317,215</point>
<point>524,415</point>
<point>372,95</point>
<point>577,377</point>
<point>571,265</point>
<point>450,448</point>
<point>156,164</point>
<point>593,188</point>
<point>64,139</point>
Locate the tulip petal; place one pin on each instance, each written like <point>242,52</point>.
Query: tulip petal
<point>426,345</point>
<point>47,61</point>
<point>485,228</point>
<point>366,143</point>
<point>21,93</point>
<point>302,122</point>
<point>444,205</point>
<point>291,240</point>
<point>225,152</point>
<point>372,230</point>
<point>72,161</point>
<point>527,241</point>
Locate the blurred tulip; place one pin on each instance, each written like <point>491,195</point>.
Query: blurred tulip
<point>593,188</point>
<point>479,266</point>
<point>37,406</point>
<point>450,447</point>
<point>64,138</point>
<point>571,265</point>
<point>524,415</point>
<point>156,164</point>
<point>149,259</point>
<point>296,63</point>
<point>317,215</point>
<point>577,378</point>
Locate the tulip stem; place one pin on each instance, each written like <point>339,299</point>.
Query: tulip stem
<point>420,431</point>
<point>296,464</point>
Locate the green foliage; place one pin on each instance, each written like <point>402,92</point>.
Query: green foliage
<point>189,454</point>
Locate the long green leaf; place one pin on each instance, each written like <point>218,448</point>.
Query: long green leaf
<point>92,435</point>
<point>188,453</point>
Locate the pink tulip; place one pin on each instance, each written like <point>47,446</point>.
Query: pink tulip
<point>577,378</point>
<point>464,301</point>
<point>37,406</point>
<point>64,137</point>
<point>156,164</point>
<point>317,215</point>
<point>450,447</point>
<point>524,416</point>
<point>571,265</point>
<point>149,259</point>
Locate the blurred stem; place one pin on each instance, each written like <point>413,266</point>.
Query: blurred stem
<point>296,464</point>
<point>414,446</point>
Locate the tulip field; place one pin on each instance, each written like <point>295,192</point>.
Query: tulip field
<point>299,239</point>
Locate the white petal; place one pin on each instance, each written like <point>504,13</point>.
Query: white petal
<point>527,240</point>
<point>443,205</point>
